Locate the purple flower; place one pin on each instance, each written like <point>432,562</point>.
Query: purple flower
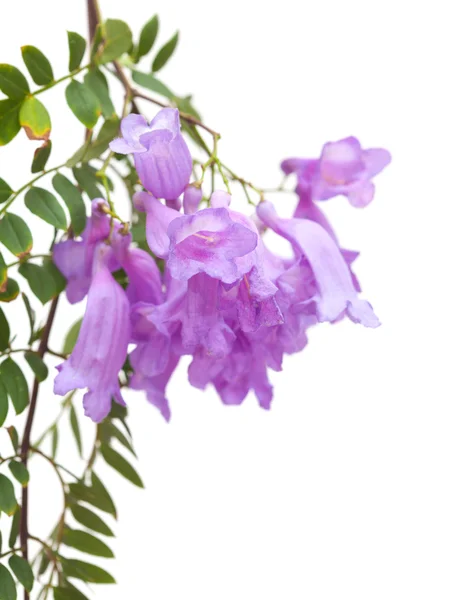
<point>162,158</point>
<point>144,277</point>
<point>101,348</point>
<point>191,199</point>
<point>343,168</point>
<point>75,258</point>
<point>336,293</point>
<point>158,217</point>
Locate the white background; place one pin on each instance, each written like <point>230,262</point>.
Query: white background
<point>342,490</point>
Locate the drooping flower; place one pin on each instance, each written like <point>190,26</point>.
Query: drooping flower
<point>336,293</point>
<point>343,168</point>
<point>162,158</point>
<point>101,348</point>
<point>74,258</point>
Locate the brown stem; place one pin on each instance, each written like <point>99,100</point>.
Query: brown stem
<point>25,447</point>
<point>93,18</point>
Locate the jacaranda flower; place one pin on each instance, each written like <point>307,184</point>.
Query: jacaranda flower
<point>343,168</point>
<point>101,347</point>
<point>162,158</point>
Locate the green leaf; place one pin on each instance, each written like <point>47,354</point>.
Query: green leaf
<point>73,200</point>
<point>14,437</point>
<point>85,542</point>
<point>44,564</point>
<point>12,83</point>
<point>37,64</point>
<point>165,53</point>
<point>3,274</point>
<point>83,103</point>
<point>1,542</point>
<point>7,585</point>
<point>15,525</point>
<point>55,439</point>
<point>77,47</point>
<point>15,383</point>
<point>71,337</point>
<point>43,204</point>
<point>15,235</point>
<point>8,502</point>
<point>31,314</point>
<point>185,105</point>
<point>109,130</point>
<point>118,39</point>
<point>37,365</point>
<point>96,495</point>
<point>76,430</point>
<point>122,466</point>
<point>20,472</point>
<point>41,156</point>
<point>90,520</point>
<point>45,281</point>
<point>9,120</point>
<point>150,82</point>
<point>68,593</point>
<point>98,84</point>
<point>147,37</point>
<point>35,119</point>
<point>85,571</point>
<point>11,292</point>
<point>22,571</point>
<point>5,191</point>
<point>3,404</point>
<point>4,331</point>
<point>87,181</point>
<point>109,430</point>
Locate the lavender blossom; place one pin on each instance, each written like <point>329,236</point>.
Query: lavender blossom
<point>162,158</point>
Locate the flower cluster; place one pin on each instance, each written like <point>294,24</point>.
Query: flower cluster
<point>224,298</point>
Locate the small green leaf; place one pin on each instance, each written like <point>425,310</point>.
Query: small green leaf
<point>147,37</point>
<point>12,83</point>
<point>4,331</point>
<point>78,155</point>
<point>9,119</point>
<point>55,440</point>
<point>8,502</point>
<point>37,365</point>
<point>165,53</point>
<point>41,156</point>
<point>68,593</point>
<point>15,525</point>
<point>76,430</point>
<point>44,564</point>
<point>150,82</point>
<point>43,204</point>
<point>118,39</point>
<point>122,466</point>
<point>15,383</point>
<point>90,520</point>
<point>7,585</point>
<point>20,472</point>
<point>111,431</point>
<point>85,542</point>
<point>109,130</point>
<point>73,200</point>
<point>15,235</point>
<point>11,292</point>
<point>83,103</point>
<point>44,280</point>
<point>22,571</point>
<point>5,191</point>
<point>71,337</point>
<point>35,119</point>
<point>14,437</point>
<point>98,84</point>
<point>3,274</point>
<point>97,495</point>
<point>87,181</point>
<point>37,64</point>
<point>77,47</point>
<point>4,405</point>
<point>31,314</point>
<point>85,571</point>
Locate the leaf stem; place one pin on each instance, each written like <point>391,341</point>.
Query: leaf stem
<point>27,258</point>
<point>56,81</point>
